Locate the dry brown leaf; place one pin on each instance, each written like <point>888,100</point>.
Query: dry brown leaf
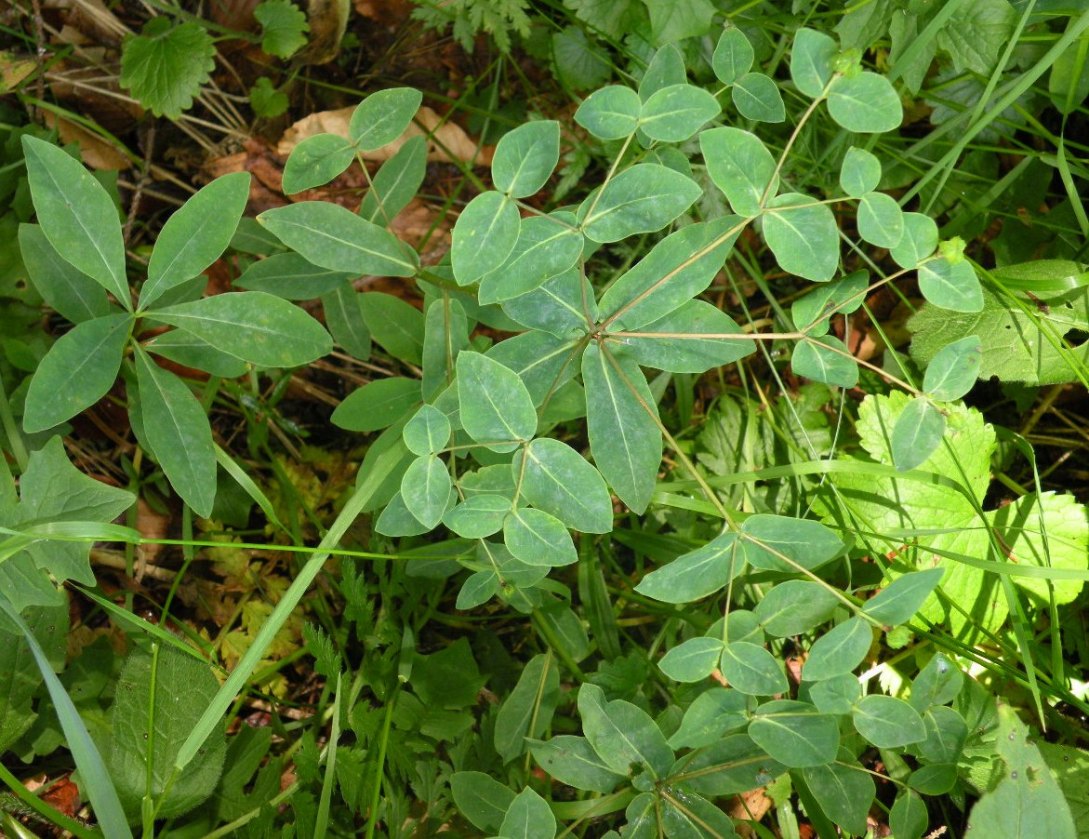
<point>749,806</point>
<point>446,141</point>
<point>95,152</point>
<point>151,525</point>
<point>13,70</point>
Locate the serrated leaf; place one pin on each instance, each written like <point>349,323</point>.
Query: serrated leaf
<point>811,61</point>
<point>165,65</point>
<point>283,27</point>
<point>865,103</point>
<point>383,117</point>
<point>803,235</point>
<point>537,538</point>
<point>555,478</point>
<point>860,172</point>
<point>757,97</point>
<point>641,199</point>
<point>795,733</point>
<point>733,56</point>
<point>839,650</point>
<point>64,287</point>
<point>916,434</point>
<point>317,160</point>
<point>976,34</point>
<point>741,166</point>
<point>675,113</point>
<point>525,157</point>
<point>483,237</point>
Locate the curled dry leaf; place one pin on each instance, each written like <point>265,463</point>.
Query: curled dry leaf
<point>96,152</point>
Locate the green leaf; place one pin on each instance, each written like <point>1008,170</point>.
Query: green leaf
<point>712,715</point>
<point>427,432</point>
<point>377,404</point>
<point>556,306</point>
<point>825,359</point>
<point>671,22</point>
<point>741,166</point>
<point>1068,82</point>
<point>191,351</point>
<point>49,625</point>
<point>316,161</point>
<point>811,61</point>
<point>546,247</point>
<point>733,56</point>
<point>527,710</point>
<point>842,296</point>
<point>555,478</point>
<point>865,103</point>
<point>495,405</point>
<point>888,722</point>
<point>77,216</point>
<point>149,726</point>
<point>196,235</point>
<point>396,325</point>
<point>946,733</point>
<point>478,516</point>
<point>757,97</point>
<point>425,489</point>
<point>951,285</point>
<point>917,433</point>
<point>919,241</point>
<point>782,543</point>
<point>693,660</point>
<point>253,326</point>
<point>901,599</point>
<point>78,370</point>
<point>731,765</point>
<point>482,799</point>
<point>178,433</point>
<point>836,694</point>
<point>641,199</point>
<point>383,117</point>
<point>794,607</point>
<point>977,33</point>
<point>621,423</point>
<point>266,100</point>
<point>838,651</point>
<point>343,309</point>
<point>478,588</point>
<point>283,27</point>
<point>954,369</point>
<point>845,791</point>
<point>939,682</point>
<point>675,113</point>
<point>396,182</point>
<point>525,157</point>
<point>795,733</point>
<point>860,173</point>
<point>610,113</point>
<point>578,65</point>
<point>674,343</point>
<point>752,670</point>
<point>689,814</point>
<point>537,538</point>
<point>909,817</point>
<point>164,66</point>
<point>666,68</point>
<point>291,277</point>
<point>63,286</point>
<point>880,220</point>
<point>335,238</point>
<point>484,235</point>
<point>803,235</point>
<point>528,817</point>
<point>676,269</point>
<point>696,574</point>
<point>573,761</point>
<point>622,734</point>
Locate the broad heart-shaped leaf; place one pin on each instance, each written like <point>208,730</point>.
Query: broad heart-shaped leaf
<point>528,817</point>
<point>165,65</point>
<point>674,343</point>
<point>752,670</point>
<point>757,97</point>
<point>845,791</point>
<point>1027,801</point>
<point>811,61</point>
<point>733,55</point>
<point>494,404</point>
<point>546,247</point>
<point>77,371</point>
<point>525,157</point>
<point>623,735</point>
<point>196,235</point>
<point>383,116</point>
<point>621,422</point>
<point>865,103</point>
<point>427,432</point>
<point>860,172</point>
<point>641,199</point>
<point>951,285</point>
<point>825,359</point>
<point>610,113</point>
<point>573,761</point>
<point>425,489</point>
<point>335,238</point>
<point>1018,344</point>
<point>898,602</point>
<point>317,160</point>
<point>253,326</point>
<point>795,733</point>
<point>63,286</point>
<point>178,434</point>
<point>396,182</point>
<point>555,478</point>
<point>537,538</point>
<point>483,237</point>
<point>741,166</point>
<point>954,369</point>
<point>880,220</point>
<point>160,697</point>
<point>675,270</point>
<point>77,216</point>
<point>675,113</point>
<point>291,277</point>
<point>481,799</point>
<point>840,650</point>
<point>695,574</point>
<point>917,433</point>
<point>888,722</point>
<point>794,607</point>
<point>918,242</point>
<point>693,660</point>
<point>782,543</point>
<point>803,235</point>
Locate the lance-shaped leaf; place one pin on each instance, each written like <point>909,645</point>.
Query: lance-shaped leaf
<point>641,199</point>
<point>63,286</point>
<point>525,157</point>
<point>77,216</point>
<point>545,248</point>
<point>192,351</point>
<point>291,277</point>
<point>343,308</point>
<point>573,761</point>
<point>483,237</point>
<point>196,235</point>
<point>697,573</point>
<point>396,182</point>
<point>555,478</point>
<point>674,343</point>
<point>495,406</point>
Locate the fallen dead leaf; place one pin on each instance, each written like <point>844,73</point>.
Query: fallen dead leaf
<point>95,152</point>
<point>152,525</point>
<point>749,806</point>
